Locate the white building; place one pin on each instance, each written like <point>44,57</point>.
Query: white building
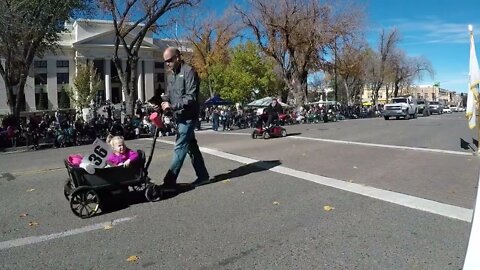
<point>91,40</point>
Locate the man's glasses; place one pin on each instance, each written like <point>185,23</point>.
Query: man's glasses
<point>170,60</point>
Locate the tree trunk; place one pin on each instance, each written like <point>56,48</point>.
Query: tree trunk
<point>396,88</point>
<point>347,91</point>
<point>20,100</point>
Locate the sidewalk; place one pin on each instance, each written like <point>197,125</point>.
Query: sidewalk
<point>204,127</point>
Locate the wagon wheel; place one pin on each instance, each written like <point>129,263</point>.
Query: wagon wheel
<point>254,135</point>
<point>67,188</point>
<point>284,133</point>
<point>153,193</point>
<point>140,187</point>
<point>84,202</point>
<point>266,135</point>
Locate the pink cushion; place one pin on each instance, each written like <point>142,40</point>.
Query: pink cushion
<point>75,160</point>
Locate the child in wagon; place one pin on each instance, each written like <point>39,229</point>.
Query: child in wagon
<point>122,155</point>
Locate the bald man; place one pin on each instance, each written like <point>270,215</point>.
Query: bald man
<point>183,89</point>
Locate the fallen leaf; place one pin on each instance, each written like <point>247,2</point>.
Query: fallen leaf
<point>276,203</point>
<point>355,167</point>
<point>328,208</point>
<point>132,258</point>
<point>243,192</point>
<point>108,226</point>
<point>30,190</point>
<point>226,181</point>
<point>351,181</point>
<point>23,215</point>
<point>32,223</point>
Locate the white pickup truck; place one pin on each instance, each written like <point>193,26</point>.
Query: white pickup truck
<point>405,106</point>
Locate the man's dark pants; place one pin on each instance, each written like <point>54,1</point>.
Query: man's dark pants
<point>186,143</point>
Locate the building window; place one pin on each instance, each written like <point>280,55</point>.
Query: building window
<point>40,64</point>
<point>159,65</point>
<point>98,65</point>
<point>40,78</point>
<point>62,64</point>
<point>63,78</point>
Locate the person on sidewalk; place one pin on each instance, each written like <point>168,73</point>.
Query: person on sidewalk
<point>183,89</point>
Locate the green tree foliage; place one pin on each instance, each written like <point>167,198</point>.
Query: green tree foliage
<point>86,85</point>
<point>29,28</point>
<point>249,75</point>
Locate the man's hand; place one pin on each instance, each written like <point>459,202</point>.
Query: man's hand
<point>165,105</point>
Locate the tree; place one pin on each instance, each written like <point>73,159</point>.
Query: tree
<point>248,75</point>
<point>351,67</point>
<point>377,61</point>
<point>86,85</point>
<point>29,28</point>
<point>132,21</point>
<point>406,69</point>
<point>210,39</point>
<point>296,34</point>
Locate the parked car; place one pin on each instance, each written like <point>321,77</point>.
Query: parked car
<point>403,106</point>
<point>446,110</point>
<point>423,107</point>
<point>436,107</point>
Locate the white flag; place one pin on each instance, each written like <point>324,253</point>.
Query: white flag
<point>474,80</point>
<point>472,258</point>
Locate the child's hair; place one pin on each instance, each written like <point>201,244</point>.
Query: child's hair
<point>115,139</point>
<point>109,138</point>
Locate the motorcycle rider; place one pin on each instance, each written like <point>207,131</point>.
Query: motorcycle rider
<point>273,110</point>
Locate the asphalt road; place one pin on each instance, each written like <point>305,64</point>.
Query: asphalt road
<point>261,213</point>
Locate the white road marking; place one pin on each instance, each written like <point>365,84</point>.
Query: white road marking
<point>399,147</point>
<point>386,146</point>
<point>42,238</point>
<point>409,201</point>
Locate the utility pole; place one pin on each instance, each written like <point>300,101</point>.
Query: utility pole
<point>335,68</point>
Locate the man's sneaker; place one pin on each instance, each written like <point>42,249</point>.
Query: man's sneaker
<point>201,181</point>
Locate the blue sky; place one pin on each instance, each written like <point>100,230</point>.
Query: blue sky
<point>435,29</point>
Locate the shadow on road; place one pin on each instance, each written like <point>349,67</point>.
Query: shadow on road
<point>116,202</point>
<point>122,200</point>
<point>469,146</point>
<point>247,169</point>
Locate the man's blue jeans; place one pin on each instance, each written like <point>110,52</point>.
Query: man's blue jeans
<point>186,143</point>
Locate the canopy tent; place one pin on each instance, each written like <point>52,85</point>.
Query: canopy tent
<point>216,100</point>
<point>265,102</point>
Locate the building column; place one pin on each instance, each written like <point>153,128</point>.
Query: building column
<point>107,68</point>
<point>124,65</point>
<point>4,108</point>
<point>30,92</point>
<point>52,88</point>
<point>149,78</point>
<point>140,81</point>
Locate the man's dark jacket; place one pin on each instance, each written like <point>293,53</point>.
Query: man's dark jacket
<point>183,89</point>
<point>277,109</point>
